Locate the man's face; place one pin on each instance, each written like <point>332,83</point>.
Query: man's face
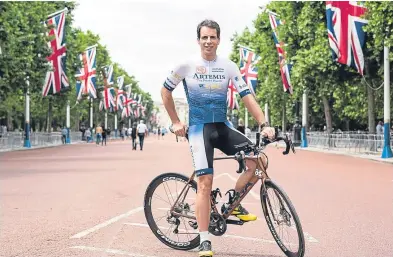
<point>208,41</point>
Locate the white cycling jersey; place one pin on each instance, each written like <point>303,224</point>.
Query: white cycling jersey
<point>206,86</point>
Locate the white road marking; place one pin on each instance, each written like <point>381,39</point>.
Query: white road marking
<point>221,175</point>
<point>108,250</point>
<point>225,235</point>
<point>310,238</point>
<point>106,223</point>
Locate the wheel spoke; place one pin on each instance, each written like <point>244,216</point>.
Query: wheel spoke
<point>167,223</point>
<point>283,218</point>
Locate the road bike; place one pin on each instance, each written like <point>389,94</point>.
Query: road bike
<point>179,208</point>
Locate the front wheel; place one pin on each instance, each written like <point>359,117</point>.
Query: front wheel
<point>280,215</point>
<point>174,231</point>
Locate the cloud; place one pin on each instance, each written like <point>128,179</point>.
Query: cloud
<point>149,37</point>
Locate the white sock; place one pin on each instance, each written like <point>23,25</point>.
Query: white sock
<point>204,236</point>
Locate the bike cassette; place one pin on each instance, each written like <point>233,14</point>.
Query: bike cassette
<point>217,225</point>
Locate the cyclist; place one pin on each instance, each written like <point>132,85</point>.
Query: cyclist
<point>205,81</point>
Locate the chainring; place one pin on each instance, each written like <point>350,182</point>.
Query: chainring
<point>217,225</point>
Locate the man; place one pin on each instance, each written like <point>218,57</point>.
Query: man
<point>133,136</point>
<point>104,135</point>
<point>64,135</point>
<point>142,130</point>
<point>98,134</point>
<point>206,80</point>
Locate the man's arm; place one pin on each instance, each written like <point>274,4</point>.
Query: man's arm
<point>169,105</point>
<point>176,76</point>
<point>253,107</point>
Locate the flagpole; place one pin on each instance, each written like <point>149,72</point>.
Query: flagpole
<point>245,47</point>
<point>91,113</point>
<point>245,117</point>
<point>115,125</point>
<point>267,113</point>
<point>304,143</point>
<point>89,47</point>
<point>27,143</point>
<point>387,151</point>
<point>68,139</point>
<point>106,119</point>
<point>58,12</point>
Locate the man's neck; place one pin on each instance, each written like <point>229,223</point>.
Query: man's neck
<point>209,57</point>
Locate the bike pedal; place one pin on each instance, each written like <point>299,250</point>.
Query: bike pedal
<point>235,222</point>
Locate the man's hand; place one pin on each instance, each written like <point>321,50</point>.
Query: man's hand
<point>179,129</point>
<point>268,132</point>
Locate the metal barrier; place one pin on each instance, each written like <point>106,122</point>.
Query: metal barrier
<point>15,140</point>
<point>349,142</point>
<point>354,142</point>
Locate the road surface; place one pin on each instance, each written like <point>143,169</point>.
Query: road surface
<point>86,200</point>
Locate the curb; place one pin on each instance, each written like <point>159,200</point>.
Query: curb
<point>321,150</point>
<point>38,147</point>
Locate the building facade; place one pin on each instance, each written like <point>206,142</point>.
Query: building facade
<point>163,119</point>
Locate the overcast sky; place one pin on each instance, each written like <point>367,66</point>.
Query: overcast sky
<point>148,37</point>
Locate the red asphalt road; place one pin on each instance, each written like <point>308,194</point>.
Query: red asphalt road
<point>84,200</point>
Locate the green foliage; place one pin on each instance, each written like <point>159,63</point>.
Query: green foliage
<point>304,33</point>
<point>23,42</point>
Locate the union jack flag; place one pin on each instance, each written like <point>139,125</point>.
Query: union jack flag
<point>232,102</point>
<point>143,109</point>
<point>345,32</point>
<point>108,74</point>
<point>127,106</point>
<point>120,99</point>
<point>285,68</point>
<point>248,68</point>
<point>86,75</point>
<point>136,105</point>
<point>56,79</point>
<point>120,81</point>
<point>108,99</point>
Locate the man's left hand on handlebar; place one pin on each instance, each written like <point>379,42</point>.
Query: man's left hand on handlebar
<point>179,129</point>
<point>268,132</point>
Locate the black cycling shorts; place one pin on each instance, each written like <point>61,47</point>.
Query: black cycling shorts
<point>203,138</point>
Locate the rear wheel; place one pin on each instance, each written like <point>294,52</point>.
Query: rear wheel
<point>280,215</point>
<point>174,231</point>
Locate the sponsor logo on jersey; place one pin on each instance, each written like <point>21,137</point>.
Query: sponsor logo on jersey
<point>208,77</point>
<point>241,86</point>
<point>176,76</point>
<point>201,69</point>
<point>218,70</point>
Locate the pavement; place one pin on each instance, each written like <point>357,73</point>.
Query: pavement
<point>87,200</point>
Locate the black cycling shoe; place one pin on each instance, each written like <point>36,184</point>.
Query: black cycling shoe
<point>205,249</point>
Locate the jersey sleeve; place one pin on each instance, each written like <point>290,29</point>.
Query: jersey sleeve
<point>237,80</point>
<point>175,77</point>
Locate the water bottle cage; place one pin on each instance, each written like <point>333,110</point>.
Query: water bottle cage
<point>214,195</point>
<point>233,196</point>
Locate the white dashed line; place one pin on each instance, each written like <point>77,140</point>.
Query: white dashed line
<point>106,223</point>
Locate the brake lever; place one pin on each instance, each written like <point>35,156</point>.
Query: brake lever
<point>242,162</point>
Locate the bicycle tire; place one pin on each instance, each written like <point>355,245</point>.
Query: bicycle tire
<point>149,217</point>
<point>301,248</point>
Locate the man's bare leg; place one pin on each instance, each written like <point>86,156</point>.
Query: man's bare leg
<point>246,176</point>
<point>202,208</point>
